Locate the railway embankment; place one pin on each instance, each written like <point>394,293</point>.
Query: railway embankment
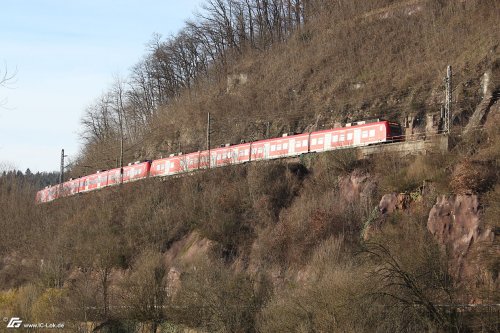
<point>420,144</point>
<point>399,241</point>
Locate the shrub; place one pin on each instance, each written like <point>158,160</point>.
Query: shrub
<point>471,177</point>
<point>272,187</point>
<point>216,299</point>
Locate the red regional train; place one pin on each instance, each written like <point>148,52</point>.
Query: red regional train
<point>356,134</point>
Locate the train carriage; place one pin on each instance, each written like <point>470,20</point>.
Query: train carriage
<point>114,177</point>
<point>102,178</point>
<point>190,162</point>
<point>93,182</point>
<point>84,184</point>
<point>278,148</point>
<point>258,151</point>
<point>298,144</point>
<point>166,166</point>
<point>242,152</point>
<point>71,187</point>
<point>204,159</point>
<point>222,156</point>
<point>159,168</point>
<point>136,171</point>
<point>354,134</point>
<point>42,195</point>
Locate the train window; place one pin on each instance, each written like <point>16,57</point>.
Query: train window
<point>278,147</point>
<point>247,151</point>
<point>341,137</point>
<point>273,148</point>
<point>297,144</point>
<point>218,157</point>
<point>349,136</point>
<point>158,167</point>
<point>320,141</point>
<point>372,133</point>
<point>285,146</point>
<point>254,151</point>
<point>364,134</point>
<point>304,143</point>
<point>335,138</point>
<point>260,150</point>
<point>314,141</point>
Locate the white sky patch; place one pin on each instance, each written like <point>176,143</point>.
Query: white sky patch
<point>66,54</point>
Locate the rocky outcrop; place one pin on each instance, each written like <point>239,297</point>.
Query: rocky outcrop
<point>491,95</point>
<point>356,185</point>
<point>392,202</point>
<point>455,222</point>
<point>388,204</point>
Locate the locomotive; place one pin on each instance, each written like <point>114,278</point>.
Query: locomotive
<point>356,134</point>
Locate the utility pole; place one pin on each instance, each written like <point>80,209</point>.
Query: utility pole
<point>448,101</point>
<point>121,159</point>
<point>61,173</point>
<point>120,119</point>
<point>208,141</point>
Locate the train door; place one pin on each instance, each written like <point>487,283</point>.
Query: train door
<point>291,147</point>
<point>167,167</point>
<point>234,155</point>
<point>328,141</point>
<point>267,150</point>
<point>357,137</point>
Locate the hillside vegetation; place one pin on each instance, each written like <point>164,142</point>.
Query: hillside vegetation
<point>350,60</point>
<point>282,246</point>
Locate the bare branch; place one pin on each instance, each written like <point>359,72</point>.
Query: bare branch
<point>6,77</point>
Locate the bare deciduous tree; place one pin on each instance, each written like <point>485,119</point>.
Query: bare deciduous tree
<point>5,79</point>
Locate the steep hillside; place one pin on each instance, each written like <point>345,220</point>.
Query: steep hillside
<point>350,61</point>
<point>323,243</point>
<point>268,246</point>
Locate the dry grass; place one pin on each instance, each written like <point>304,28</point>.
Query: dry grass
<point>309,82</point>
<point>272,214</point>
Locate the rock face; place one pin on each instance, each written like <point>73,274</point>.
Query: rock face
<point>491,95</point>
<point>356,185</point>
<point>392,202</point>
<point>454,221</point>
